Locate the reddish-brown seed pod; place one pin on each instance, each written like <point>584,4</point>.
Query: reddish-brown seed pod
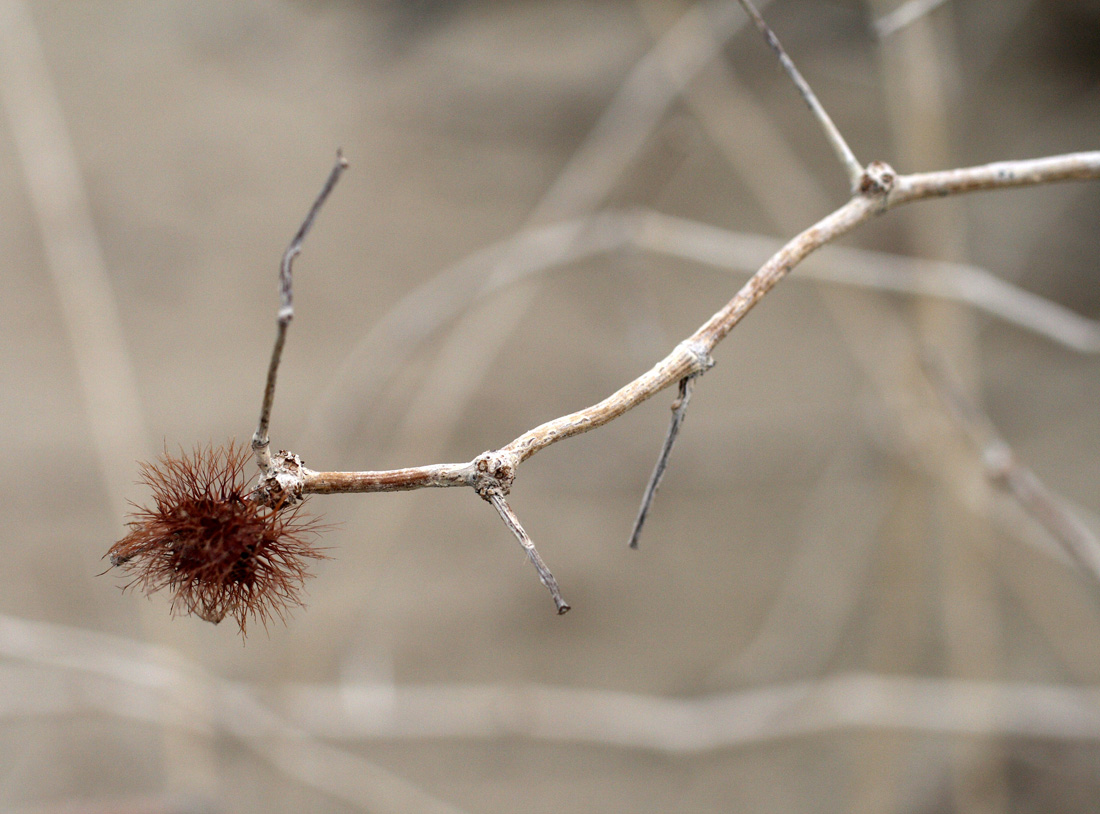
<point>218,551</point>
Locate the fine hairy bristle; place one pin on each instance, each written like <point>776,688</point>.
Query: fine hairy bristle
<point>219,552</point>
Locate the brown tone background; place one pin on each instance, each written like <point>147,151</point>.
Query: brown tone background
<point>823,521</point>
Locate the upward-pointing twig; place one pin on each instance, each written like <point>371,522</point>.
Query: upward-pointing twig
<point>260,443</point>
<point>836,140</point>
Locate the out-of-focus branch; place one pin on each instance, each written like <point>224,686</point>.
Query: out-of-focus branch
<point>124,679</point>
<point>537,250</point>
<point>1006,471</point>
<point>71,248</point>
<point>149,673</point>
<point>844,702</point>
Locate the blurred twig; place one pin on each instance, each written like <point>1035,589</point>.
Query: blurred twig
<point>74,258</point>
<point>384,712</point>
<point>407,326</point>
<point>1006,471</point>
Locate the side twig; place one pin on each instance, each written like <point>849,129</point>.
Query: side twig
<point>836,140</point>
<point>513,524</point>
<point>261,445</point>
<point>679,410</point>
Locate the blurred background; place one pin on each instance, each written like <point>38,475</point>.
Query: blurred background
<point>833,607</point>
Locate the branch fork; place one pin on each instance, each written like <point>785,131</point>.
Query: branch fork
<point>282,484</point>
<point>877,180</point>
<point>493,473</point>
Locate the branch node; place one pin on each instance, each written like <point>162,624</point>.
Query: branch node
<point>699,351</point>
<point>493,473</point>
<point>281,484</point>
<point>877,180</point>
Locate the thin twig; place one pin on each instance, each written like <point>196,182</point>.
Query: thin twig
<point>260,443</point>
<point>679,410</point>
<point>1006,471</point>
<point>832,133</point>
<point>512,522</point>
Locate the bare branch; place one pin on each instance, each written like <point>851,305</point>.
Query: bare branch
<point>999,175</point>
<point>393,480</point>
<point>832,133</point>
<point>679,410</point>
<point>882,190</point>
<point>260,443</point>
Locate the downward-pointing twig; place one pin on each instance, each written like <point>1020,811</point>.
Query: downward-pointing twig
<point>836,140</point>
<point>679,410</point>
<point>512,522</point>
